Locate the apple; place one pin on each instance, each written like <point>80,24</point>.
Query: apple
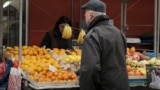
<point>15,63</point>
<point>1,70</point>
<point>128,61</point>
<point>152,61</point>
<point>134,63</point>
<point>157,62</point>
<point>135,57</point>
<point>2,67</point>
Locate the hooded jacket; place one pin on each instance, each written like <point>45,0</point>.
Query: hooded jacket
<point>103,64</point>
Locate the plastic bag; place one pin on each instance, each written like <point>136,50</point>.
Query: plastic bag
<point>155,84</point>
<point>5,76</point>
<point>15,78</point>
<point>2,67</point>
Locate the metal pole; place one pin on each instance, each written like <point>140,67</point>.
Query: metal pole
<point>27,16</point>
<point>72,11</point>
<point>155,28</point>
<point>80,13</point>
<point>1,29</point>
<point>122,20</point>
<point>123,16</point>
<point>20,28</point>
<point>9,43</point>
<point>158,29</point>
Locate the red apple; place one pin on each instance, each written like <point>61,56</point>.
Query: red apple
<point>15,63</point>
<point>135,57</point>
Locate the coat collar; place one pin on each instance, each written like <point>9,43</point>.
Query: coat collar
<point>98,21</point>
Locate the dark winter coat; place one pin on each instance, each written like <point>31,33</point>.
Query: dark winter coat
<point>103,65</point>
<point>54,40</point>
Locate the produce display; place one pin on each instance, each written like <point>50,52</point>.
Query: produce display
<point>68,59</point>
<point>42,66</point>
<point>136,62</point>
<point>38,65</point>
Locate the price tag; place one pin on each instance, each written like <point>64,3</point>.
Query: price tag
<point>52,68</point>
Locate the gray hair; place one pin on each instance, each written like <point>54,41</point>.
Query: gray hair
<point>95,13</point>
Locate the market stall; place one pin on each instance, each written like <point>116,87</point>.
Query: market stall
<point>35,62</point>
<point>145,81</point>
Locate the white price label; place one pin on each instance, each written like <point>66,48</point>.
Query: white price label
<point>52,68</point>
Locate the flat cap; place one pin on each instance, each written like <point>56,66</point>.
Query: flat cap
<point>95,5</point>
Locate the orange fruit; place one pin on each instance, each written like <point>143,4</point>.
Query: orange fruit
<point>35,52</point>
<point>35,46</point>
<point>31,76</point>
<point>31,72</point>
<point>131,73</point>
<point>128,68</point>
<point>65,77</point>
<point>73,53</point>
<point>39,69</point>
<point>49,74</point>
<point>49,79</point>
<point>53,78</point>
<point>137,73</point>
<point>132,49</point>
<point>41,79</point>
<point>60,76</point>
<point>44,72</point>
<point>69,75</point>
<point>45,68</point>
<point>73,76</point>
<point>47,56</point>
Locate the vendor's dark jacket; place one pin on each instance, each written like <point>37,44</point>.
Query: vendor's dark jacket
<point>53,39</point>
<point>103,64</point>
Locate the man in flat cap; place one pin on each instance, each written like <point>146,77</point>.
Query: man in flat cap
<point>103,64</point>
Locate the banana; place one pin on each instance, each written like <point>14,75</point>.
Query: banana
<point>67,32</point>
<point>64,32</point>
<point>81,36</point>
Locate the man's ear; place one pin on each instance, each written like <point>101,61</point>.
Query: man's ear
<point>91,15</point>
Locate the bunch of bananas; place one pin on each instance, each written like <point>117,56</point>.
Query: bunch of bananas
<point>81,36</point>
<point>67,32</point>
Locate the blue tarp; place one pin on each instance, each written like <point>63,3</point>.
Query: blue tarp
<point>151,54</point>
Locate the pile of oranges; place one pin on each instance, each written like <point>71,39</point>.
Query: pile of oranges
<point>48,76</point>
<point>36,61</point>
<point>57,51</point>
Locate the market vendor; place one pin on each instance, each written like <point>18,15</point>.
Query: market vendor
<point>53,38</point>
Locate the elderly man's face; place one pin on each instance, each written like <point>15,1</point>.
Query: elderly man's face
<point>88,17</point>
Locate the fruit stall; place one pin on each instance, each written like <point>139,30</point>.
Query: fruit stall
<point>55,68</point>
<point>44,68</point>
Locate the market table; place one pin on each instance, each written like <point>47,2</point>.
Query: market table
<point>26,85</point>
<point>136,83</point>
